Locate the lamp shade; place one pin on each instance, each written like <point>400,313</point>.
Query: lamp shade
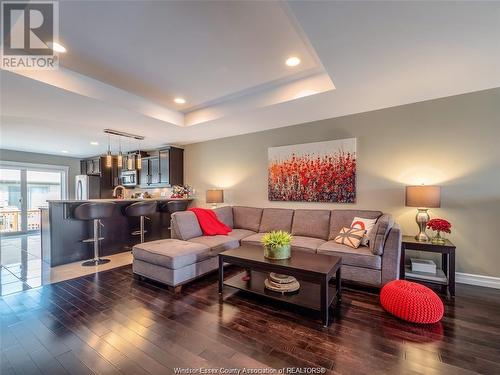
<point>423,196</point>
<point>215,196</point>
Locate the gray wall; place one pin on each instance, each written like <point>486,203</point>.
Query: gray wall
<point>453,142</point>
<point>30,157</point>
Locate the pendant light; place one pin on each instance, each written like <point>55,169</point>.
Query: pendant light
<point>109,157</point>
<point>130,158</point>
<point>138,161</point>
<point>120,155</point>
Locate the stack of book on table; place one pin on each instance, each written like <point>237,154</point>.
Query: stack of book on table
<point>426,270</point>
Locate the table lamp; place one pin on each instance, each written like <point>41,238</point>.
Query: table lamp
<point>423,197</point>
<point>215,196</point>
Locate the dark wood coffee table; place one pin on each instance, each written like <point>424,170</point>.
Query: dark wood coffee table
<point>313,271</point>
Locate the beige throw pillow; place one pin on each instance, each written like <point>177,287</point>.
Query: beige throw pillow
<point>350,237</point>
<point>365,224</point>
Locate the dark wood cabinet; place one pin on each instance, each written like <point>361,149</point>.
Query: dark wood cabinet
<point>163,168</point>
<point>109,177</point>
<point>154,170</point>
<point>144,173</point>
<point>91,167</point>
<point>160,168</point>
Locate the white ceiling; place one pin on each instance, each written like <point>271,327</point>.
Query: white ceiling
<point>202,51</point>
<point>125,64</point>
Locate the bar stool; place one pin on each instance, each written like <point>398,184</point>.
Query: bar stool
<point>95,211</point>
<point>141,209</point>
<point>175,206</point>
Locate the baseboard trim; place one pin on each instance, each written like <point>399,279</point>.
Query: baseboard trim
<point>479,280</point>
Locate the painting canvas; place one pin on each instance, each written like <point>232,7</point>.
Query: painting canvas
<point>313,172</point>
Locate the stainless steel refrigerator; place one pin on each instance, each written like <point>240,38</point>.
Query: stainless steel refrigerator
<point>87,187</point>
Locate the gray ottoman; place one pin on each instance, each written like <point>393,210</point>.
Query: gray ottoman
<point>172,262</point>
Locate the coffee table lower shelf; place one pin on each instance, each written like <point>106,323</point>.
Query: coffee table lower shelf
<point>307,296</point>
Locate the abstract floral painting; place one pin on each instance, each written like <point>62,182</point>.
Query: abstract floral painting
<point>313,172</point>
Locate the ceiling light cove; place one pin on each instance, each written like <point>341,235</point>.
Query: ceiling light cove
<point>180,100</point>
<point>292,61</point>
<point>57,47</point>
<point>64,151</point>
<point>94,143</point>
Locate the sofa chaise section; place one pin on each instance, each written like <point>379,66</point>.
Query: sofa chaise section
<point>172,262</point>
<point>187,255</point>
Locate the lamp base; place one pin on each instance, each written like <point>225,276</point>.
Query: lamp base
<point>422,218</point>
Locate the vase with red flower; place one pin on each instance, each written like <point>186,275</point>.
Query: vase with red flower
<point>439,226</point>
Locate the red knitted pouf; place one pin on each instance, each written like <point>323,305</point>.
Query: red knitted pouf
<point>411,302</point>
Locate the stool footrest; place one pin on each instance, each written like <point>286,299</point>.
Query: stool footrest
<point>92,240</point>
<point>137,232</point>
<point>95,262</point>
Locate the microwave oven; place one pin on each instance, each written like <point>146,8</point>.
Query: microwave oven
<point>129,178</point>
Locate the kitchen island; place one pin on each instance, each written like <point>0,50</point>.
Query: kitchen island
<point>62,234</point>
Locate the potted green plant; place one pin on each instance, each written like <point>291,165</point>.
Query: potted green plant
<point>277,244</point>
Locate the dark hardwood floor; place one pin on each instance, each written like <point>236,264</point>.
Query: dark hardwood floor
<point>112,323</point>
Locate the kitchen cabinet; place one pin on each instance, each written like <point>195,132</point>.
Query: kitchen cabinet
<point>125,160</point>
<point>163,168</point>
<point>144,173</point>
<point>108,177</point>
<point>154,170</point>
<point>91,167</point>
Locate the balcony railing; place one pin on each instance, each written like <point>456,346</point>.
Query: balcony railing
<point>10,221</point>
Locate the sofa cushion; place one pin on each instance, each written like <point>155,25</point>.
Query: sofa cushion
<point>308,244</point>
<point>185,224</point>
<point>379,234</point>
<point>170,253</point>
<point>276,219</point>
<point>344,218</point>
<point>311,223</point>
<point>225,214</point>
<point>240,233</point>
<point>360,257</point>
<point>247,218</point>
<point>217,243</point>
<point>254,239</point>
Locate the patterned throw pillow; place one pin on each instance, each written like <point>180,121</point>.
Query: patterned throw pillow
<point>366,224</point>
<point>350,237</point>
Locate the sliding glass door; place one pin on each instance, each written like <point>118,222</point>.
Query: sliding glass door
<point>11,202</point>
<point>23,191</point>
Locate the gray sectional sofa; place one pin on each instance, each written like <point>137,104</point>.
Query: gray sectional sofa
<point>189,254</point>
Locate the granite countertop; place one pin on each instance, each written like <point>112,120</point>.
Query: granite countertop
<point>163,199</point>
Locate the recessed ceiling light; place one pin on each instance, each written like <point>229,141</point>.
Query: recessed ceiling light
<point>64,151</point>
<point>180,100</point>
<point>94,143</point>
<point>57,47</point>
<point>292,61</point>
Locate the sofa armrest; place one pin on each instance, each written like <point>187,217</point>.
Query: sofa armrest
<point>173,233</point>
<point>184,225</point>
<point>392,255</point>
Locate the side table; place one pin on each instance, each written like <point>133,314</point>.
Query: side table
<point>447,251</point>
